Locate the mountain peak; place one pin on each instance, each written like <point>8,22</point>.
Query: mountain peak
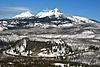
<point>55,12</point>
<point>23,15</point>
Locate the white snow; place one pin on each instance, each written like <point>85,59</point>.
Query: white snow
<point>11,52</point>
<point>10,26</point>
<point>97,36</point>
<point>10,63</point>
<point>23,15</point>
<point>1,29</point>
<point>59,64</point>
<point>38,24</point>
<point>43,49</point>
<point>59,41</point>
<point>59,52</point>
<point>24,53</point>
<point>87,32</point>
<point>66,25</point>
<point>95,41</point>
<point>49,13</point>
<point>80,20</point>
<point>5,28</point>
<point>81,35</point>
<point>4,23</point>
<point>22,36</point>
<point>47,26</point>
<point>22,47</point>
<point>21,50</point>
<point>89,53</point>
<point>46,55</point>
<point>44,25</point>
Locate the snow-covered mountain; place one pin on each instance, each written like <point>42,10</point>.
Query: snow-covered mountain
<point>80,20</point>
<point>48,19</point>
<point>55,13</point>
<point>24,15</point>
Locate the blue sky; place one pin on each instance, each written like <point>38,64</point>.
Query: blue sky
<point>86,8</point>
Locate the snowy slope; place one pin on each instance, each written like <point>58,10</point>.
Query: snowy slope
<point>55,12</point>
<point>1,29</point>
<point>23,15</point>
<point>80,20</point>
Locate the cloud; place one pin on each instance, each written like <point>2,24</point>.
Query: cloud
<point>19,8</point>
<point>12,10</point>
